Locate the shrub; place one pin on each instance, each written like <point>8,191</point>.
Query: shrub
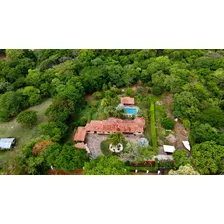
<point>168,123</point>
<point>157,90</point>
<point>27,118</point>
<point>149,91</point>
<point>97,96</point>
<point>186,123</point>
<point>150,84</point>
<point>130,92</point>
<point>139,90</point>
<point>181,158</point>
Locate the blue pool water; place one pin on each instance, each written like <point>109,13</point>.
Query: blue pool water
<point>129,110</point>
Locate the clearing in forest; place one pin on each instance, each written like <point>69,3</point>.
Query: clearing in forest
<point>22,135</point>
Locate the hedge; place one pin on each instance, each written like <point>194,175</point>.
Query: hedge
<point>153,126</point>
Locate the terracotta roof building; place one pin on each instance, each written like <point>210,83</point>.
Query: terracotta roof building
<point>135,126</point>
<point>80,145</point>
<point>80,134</point>
<point>127,100</point>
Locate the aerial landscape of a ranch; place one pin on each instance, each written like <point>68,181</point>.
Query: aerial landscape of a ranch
<point>111,112</point>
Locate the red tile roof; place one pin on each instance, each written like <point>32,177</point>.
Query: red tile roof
<point>127,100</point>
<point>80,134</point>
<point>80,145</point>
<point>117,125</point>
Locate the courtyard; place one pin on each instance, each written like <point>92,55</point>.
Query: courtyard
<point>94,140</point>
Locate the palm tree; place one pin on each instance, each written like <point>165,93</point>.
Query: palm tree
<point>116,138</point>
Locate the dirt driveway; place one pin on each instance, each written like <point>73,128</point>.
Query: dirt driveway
<point>181,133</point>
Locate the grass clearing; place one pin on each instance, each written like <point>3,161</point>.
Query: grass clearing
<point>22,135</point>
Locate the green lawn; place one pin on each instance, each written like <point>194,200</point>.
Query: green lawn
<point>22,135</point>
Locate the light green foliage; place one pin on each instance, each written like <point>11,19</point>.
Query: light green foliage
<point>27,117</point>
<point>116,138</point>
<point>105,165</point>
<point>184,170</point>
<point>208,157</point>
<point>14,53</point>
<point>153,126</point>
<point>33,95</point>
<point>33,78</point>
<point>181,158</point>
<point>130,92</point>
<point>185,105</point>
<point>186,123</point>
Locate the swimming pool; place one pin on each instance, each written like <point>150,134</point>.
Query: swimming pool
<point>130,110</point>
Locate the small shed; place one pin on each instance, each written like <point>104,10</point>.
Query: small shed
<point>169,148</point>
<point>7,143</point>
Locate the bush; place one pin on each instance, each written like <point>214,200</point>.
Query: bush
<point>150,84</point>
<point>168,123</point>
<point>97,96</point>
<point>186,123</point>
<point>181,158</point>
<point>130,92</point>
<point>139,90</point>
<point>149,91</point>
<point>27,118</point>
<point>157,90</point>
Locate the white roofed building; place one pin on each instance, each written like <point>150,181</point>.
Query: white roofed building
<point>7,143</point>
<point>187,145</point>
<point>169,148</point>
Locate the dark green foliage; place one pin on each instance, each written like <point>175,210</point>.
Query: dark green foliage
<point>203,132</point>
<point>97,96</point>
<point>59,110</point>
<point>27,117</point>
<point>54,130</point>
<point>65,157</point>
<point>10,105</point>
<point>168,123</point>
<point>213,116</point>
<point>105,165</point>
<point>139,90</point>
<point>157,90</point>
<point>181,158</point>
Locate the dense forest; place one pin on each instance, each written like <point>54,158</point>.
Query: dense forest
<point>194,77</point>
